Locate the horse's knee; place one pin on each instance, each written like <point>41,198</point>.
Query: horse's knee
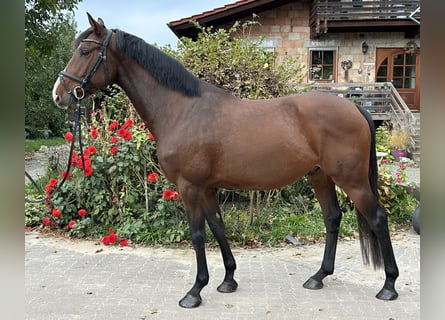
<point>198,239</point>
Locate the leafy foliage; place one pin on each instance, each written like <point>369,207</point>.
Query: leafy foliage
<point>232,60</point>
<point>44,20</point>
<point>41,68</point>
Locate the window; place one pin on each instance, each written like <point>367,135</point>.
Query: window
<point>322,65</point>
<point>400,69</point>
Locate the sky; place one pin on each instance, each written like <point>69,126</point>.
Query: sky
<point>146,19</point>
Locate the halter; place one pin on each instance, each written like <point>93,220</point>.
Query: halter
<point>78,91</point>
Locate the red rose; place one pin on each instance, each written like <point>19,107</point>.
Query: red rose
<point>73,158</point>
<point>46,221</point>
<point>175,195</point>
<point>71,224</point>
<point>121,132</point>
<point>88,171</point>
<point>52,182</point>
<point>110,230</point>
<point>167,194</point>
<point>92,149</point>
<point>82,212</point>
<point>69,136</point>
<point>114,139</point>
<point>94,133</point>
<point>56,213</point>
<point>127,124</point>
<point>114,150</point>
<point>106,240</point>
<point>150,136</point>
<point>63,174</point>
<point>113,238</point>
<point>48,190</point>
<point>86,160</point>
<point>124,242</point>
<point>113,125</point>
<point>152,177</point>
<point>127,136</point>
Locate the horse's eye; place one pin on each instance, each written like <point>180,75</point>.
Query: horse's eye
<point>84,52</point>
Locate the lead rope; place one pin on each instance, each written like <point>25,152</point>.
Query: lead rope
<point>77,129</point>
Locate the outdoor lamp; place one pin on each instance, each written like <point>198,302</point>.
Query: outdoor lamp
<point>364,47</point>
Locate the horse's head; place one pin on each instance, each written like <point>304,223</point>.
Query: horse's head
<point>89,68</point>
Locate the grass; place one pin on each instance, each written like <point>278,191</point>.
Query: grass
<point>35,144</point>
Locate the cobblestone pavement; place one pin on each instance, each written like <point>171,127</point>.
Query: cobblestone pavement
<point>73,279</point>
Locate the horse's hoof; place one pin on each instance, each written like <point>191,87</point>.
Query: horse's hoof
<point>190,301</point>
<point>386,294</point>
<point>313,284</point>
<point>227,286</point>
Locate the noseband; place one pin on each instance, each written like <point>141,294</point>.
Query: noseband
<point>78,91</point>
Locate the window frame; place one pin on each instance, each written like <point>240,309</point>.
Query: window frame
<point>323,65</point>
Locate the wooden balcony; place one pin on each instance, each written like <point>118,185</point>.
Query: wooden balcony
<point>328,16</point>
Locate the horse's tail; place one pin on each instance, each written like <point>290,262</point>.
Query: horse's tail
<point>370,246</point>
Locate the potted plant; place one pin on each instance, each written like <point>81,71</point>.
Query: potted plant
<point>399,143</point>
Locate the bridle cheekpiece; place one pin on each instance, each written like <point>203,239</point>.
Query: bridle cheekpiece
<point>78,91</point>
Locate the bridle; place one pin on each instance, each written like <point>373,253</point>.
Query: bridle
<point>78,93</point>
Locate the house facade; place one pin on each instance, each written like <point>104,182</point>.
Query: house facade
<point>339,41</point>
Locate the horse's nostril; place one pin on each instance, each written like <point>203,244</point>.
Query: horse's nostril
<point>56,98</point>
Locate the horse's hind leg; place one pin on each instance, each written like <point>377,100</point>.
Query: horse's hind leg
<point>216,225</point>
<point>325,192</point>
<point>374,236</point>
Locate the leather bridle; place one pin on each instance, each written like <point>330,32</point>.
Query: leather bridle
<point>78,91</point>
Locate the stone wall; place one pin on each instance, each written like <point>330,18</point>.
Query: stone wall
<point>287,31</point>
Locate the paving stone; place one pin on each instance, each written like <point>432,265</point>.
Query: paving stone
<point>66,279</point>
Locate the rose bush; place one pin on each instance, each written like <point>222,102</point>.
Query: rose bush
<point>115,181</point>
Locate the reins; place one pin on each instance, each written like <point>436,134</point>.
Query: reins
<point>78,93</point>
<point>77,129</point>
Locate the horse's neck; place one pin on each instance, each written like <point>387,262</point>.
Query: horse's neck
<point>153,101</point>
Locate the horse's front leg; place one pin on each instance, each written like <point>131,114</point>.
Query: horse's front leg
<point>195,206</point>
<point>216,225</point>
<point>197,231</point>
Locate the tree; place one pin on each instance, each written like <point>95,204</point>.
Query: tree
<point>43,21</point>
<point>43,61</point>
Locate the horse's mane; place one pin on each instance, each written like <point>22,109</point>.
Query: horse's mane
<point>164,68</point>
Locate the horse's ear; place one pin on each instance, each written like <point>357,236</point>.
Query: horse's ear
<point>97,26</point>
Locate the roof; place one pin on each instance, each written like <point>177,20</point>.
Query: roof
<point>222,15</point>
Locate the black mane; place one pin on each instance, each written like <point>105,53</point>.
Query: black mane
<point>164,68</point>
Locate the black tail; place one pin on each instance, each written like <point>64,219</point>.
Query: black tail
<point>370,246</point>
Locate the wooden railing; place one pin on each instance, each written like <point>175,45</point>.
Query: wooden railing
<point>380,99</point>
<point>323,11</point>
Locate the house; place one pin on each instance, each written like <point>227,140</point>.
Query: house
<point>345,44</point>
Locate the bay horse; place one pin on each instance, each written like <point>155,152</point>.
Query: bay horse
<point>207,139</point>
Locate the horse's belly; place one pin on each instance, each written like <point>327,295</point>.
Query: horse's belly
<point>263,172</point>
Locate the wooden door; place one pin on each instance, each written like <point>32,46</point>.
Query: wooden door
<point>403,70</point>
